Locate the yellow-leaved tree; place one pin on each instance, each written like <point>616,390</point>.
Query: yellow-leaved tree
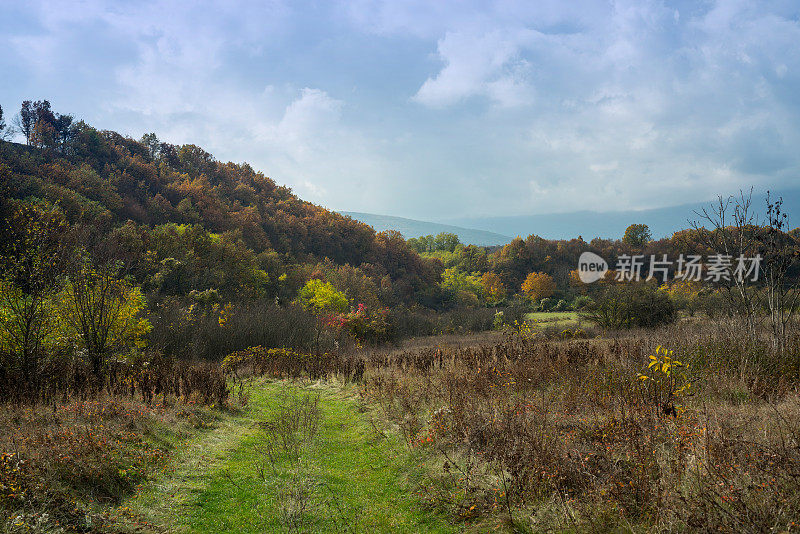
<point>103,313</point>
<point>318,297</point>
<point>538,286</point>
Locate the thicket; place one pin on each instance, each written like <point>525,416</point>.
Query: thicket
<point>640,305</point>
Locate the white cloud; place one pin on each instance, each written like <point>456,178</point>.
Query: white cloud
<point>487,65</point>
<point>432,109</point>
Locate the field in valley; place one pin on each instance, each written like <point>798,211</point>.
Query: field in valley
<point>500,432</point>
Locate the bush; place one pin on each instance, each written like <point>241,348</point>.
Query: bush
<point>407,322</point>
<point>628,306</point>
<point>561,305</point>
<point>581,301</point>
<point>287,363</point>
<point>364,325</point>
<point>197,332</point>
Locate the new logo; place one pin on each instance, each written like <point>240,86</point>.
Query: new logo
<point>591,267</point>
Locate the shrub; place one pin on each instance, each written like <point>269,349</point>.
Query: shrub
<point>581,301</point>
<point>364,325</point>
<point>665,380</point>
<point>627,306</point>
<point>195,332</point>
<point>287,363</point>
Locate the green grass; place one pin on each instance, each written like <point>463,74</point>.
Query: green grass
<point>560,319</point>
<point>172,496</point>
<point>361,477</point>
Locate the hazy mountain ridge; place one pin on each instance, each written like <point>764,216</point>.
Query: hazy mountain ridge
<point>415,228</point>
<point>663,222</point>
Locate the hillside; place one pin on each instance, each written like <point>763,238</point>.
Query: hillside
<point>414,228</point>
<point>188,222</point>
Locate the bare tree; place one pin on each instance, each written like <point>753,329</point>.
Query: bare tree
<point>780,251</point>
<point>737,232</point>
<point>733,233</point>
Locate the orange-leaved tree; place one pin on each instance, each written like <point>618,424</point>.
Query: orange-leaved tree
<point>493,289</point>
<point>538,286</point>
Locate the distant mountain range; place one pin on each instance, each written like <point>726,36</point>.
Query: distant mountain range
<point>413,228</point>
<point>486,231</point>
<point>663,222</point>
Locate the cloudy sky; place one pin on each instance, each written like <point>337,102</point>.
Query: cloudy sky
<point>436,109</point>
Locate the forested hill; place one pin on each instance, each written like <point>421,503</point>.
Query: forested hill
<point>231,226</point>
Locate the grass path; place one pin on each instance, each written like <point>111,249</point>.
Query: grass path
<point>356,479</point>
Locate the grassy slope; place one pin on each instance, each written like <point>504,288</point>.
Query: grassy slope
<point>569,318</point>
<point>157,506</point>
<point>362,477</point>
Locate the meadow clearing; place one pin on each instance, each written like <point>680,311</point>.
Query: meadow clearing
<point>506,432</point>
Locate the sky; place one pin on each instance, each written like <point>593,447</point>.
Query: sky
<point>436,110</point>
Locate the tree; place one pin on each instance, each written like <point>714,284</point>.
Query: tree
<point>4,132</point>
<point>735,232</point>
<point>494,291</point>
<point>44,135</point>
<point>30,263</point>
<point>26,120</point>
<point>637,235</point>
<point>421,244</point>
<point>780,258</point>
<point>318,297</point>
<point>538,286</point>
<point>43,112</point>
<point>64,130</point>
<point>466,288</point>
<point>473,259</point>
<point>102,312</point>
<point>152,143</point>
<point>446,242</point>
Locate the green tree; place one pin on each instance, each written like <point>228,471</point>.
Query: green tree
<point>153,145</point>
<point>467,288</point>
<point>473,259</point>
<point>3,131</point>
<point>26,120</point>
<point>446,242</point>
<point>637,235</point>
